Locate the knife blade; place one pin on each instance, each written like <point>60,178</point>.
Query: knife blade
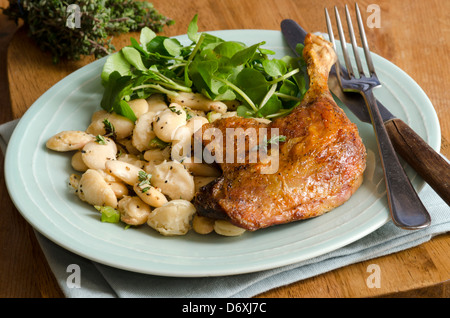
<point>429,164</point>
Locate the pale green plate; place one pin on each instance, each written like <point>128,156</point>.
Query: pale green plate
<point>37,180</point>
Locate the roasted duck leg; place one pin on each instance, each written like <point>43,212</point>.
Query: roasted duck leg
<point>320,162</point>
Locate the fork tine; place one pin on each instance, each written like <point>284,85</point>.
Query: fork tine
<point>333,42</point>
<point>343,43</point>
<point>353,40</point>
<point>330,29</point>
<point>364,41</point>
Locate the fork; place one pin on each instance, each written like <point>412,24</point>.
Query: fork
<point>406,209</point>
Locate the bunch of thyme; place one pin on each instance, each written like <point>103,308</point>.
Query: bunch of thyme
<point>97,22</point>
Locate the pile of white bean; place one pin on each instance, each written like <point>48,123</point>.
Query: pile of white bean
<point>111,168</point>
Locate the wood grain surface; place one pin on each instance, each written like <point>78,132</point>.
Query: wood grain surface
<point>413,34</point>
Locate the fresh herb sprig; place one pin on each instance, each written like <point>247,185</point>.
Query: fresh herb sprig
<point>98,21</point>
<point>110,130</point>
<point>275,140</point>
<point>100,140</point>
<point>144,181</point>
<point>219,69</point>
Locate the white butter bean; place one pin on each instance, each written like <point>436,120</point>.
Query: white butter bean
<point>133,210</point>
<point>202,224</point>
<point>138,106</point>
<point>198,101</point>
<point>157,156</point>
<point>195,123</point>
<point>173,179</point>
<point>125,171</point>
<point>127,146</point>
<point>69,140</point>
<point>119,188</point>
<point>143,131</point>
<point>173,218</point>
<point>168,121</point>
<point>123,126</point>
<point>74,181</point>
<point>132,159</point>
<point>93,189</point>
<point>78,163</point>
<point>225,228</point>
<point>96,154</point>
<point>156,103</point>
<point>181,143</point>
<point>201,169</point>
<point>150,195</point>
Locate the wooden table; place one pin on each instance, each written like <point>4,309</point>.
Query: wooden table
<point>414,34</point>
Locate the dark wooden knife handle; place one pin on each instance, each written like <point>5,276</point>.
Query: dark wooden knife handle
<point>430,165</point>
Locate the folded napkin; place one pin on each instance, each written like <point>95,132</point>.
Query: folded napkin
<point>101,281</point>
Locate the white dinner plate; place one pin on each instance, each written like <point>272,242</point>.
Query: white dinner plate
<point>37,180</point>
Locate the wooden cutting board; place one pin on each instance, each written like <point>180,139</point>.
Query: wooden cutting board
<point>423,271</point>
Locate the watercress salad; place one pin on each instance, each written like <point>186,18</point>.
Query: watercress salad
<point>220,70</point>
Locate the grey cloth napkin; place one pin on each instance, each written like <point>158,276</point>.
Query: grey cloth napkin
<point>100,281</point>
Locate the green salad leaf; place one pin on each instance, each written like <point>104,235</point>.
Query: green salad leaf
<point>221,70</point>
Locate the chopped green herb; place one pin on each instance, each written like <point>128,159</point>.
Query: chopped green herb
<point>108,214</point>
<point>189,115</point>
<point>109,128</point>
<point>275,140</point>
<point>145,189</point>
<point>144,179</point>
<point>158,143</point>
<point>173,109</point>
<point>142,175</point>
<point>100,139</point>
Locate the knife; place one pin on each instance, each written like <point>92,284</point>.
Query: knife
<point>429,164</point>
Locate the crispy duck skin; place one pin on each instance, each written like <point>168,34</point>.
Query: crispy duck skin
<point>320,165</point>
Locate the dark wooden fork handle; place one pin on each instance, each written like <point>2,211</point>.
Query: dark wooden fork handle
<point>431,166</point>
